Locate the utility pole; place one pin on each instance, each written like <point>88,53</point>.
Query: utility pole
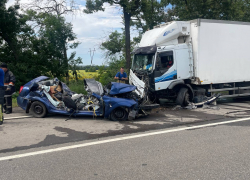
<point>92,52</point>
<point>17,2</point>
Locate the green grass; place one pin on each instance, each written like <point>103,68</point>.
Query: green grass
<point>77,86</point>
<point>14,100</point>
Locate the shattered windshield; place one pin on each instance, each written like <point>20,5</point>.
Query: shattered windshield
<point>143,62</point>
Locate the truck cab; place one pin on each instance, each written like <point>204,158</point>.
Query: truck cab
<point>157,69</point>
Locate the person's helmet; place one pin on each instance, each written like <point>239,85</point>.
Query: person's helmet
<point>3,65</point>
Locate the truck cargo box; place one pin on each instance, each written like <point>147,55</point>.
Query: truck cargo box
<point>221,51</point>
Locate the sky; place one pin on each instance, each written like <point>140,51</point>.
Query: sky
<point>92,29</point>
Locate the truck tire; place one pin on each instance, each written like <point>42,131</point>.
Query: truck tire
<point>38,109</point>
<point>183,97</point>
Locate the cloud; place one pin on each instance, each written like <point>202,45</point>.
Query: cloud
<point>91,29</point>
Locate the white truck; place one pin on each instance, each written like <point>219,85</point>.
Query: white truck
<point>187,61</point>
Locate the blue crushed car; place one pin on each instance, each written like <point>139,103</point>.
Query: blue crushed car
<point>118,102</point>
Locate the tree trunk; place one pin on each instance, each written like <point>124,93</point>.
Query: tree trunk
<point>151,26</point>
<point>76,76</point>
<point>127,18</point>
<point>65,63</point>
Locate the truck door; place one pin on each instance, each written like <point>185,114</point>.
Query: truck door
<point>165,63</point>
<point>165,69</point>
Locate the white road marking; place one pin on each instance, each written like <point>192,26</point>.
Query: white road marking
<point>118,139</point>
<point>20,117</point>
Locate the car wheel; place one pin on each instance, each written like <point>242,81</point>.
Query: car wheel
<point>38,109</point>
<point>183,97</point>
<point>119,114</point>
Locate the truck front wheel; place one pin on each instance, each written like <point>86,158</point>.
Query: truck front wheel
<point>183,97</point>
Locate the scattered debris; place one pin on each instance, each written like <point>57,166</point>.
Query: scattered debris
<point>214,107</point>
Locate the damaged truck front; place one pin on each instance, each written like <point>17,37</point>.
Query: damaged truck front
<point>191,61</point>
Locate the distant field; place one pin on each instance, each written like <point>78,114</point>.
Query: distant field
<point>82,74</point>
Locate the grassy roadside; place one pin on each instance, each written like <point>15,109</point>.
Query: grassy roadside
<point>14,100</point>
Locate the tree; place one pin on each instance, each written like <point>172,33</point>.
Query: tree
<point>130,8</point>
<point>32,51</point>
<point>73,64</point>
<point>106,74</point>
<point>57,8</point>
<point>17,44</point>
<point>55,35</point>
<point>152,14</point>
<point>12,24</point>
<point>114,44</point>
<point>209,9</point>
<point>113,47</point>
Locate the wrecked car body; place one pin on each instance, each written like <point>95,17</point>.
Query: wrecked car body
<point>42,96</point>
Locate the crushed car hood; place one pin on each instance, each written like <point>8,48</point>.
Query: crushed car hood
<point>93,86</point>
<point>120,88</point>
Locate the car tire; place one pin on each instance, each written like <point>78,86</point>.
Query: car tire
<point>183,97</point>
<point>38,109</point>
<point>119,114</point>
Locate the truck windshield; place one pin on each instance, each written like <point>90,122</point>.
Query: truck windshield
<point>143,62</point>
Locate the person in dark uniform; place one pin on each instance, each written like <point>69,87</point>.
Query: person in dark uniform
<point>2,91</point>
<point>9,84</point>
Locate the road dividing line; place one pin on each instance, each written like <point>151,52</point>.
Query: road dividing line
<point>118,139</point>
<point>20,117</point>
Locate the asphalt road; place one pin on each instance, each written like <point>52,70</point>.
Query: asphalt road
<point>219,151</point>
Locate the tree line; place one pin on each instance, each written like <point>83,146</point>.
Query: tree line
<point>93,68</point>
<point>36,41</point>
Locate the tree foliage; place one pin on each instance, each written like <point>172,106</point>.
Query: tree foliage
<point>235,10</point>
<point>107,74</point>
<point>57,9</point>
<point>55,35</point>
<point>37,49</point>
<point>152,13</point>
<point>114,44</point>
<point>130,8</point>
<point>17,44</point>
